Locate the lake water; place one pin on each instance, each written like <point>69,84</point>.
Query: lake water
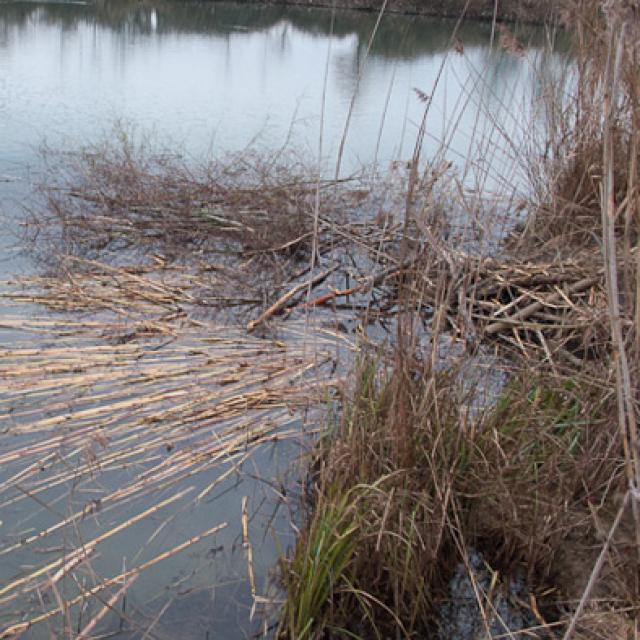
<point>207,78</point>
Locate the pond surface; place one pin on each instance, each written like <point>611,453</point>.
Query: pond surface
<point>204,79</point>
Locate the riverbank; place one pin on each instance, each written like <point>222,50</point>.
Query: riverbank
<point>442,508</point>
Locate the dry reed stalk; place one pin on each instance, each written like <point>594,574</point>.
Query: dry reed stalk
<point>281,302</point>
<point>626,396</point>
<point>248,547</point>
<point>63,566</point>
<point>90,545</point>
<point>354,94</point>
<point>108,606</point>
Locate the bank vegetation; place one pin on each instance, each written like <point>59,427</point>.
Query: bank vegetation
<point>529,494</point>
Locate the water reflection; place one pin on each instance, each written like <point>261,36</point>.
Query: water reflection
<point>398,36</point>
<point>216,75</point>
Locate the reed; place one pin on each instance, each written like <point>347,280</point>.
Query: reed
<point>135,420</point>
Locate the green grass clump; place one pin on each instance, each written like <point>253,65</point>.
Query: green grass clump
<point>538,457</point>
<point>320,564</point>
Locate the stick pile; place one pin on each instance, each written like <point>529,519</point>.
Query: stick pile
<point>558,307</point>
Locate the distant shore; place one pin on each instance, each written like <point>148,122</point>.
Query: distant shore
<point>530,11</point>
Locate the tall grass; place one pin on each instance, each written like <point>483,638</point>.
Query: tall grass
<point>395,513</point>
<point>513,480</point>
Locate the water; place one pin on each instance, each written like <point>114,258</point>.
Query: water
<point>210,77</point>
<point>214,76</point>
<point>206,78</point>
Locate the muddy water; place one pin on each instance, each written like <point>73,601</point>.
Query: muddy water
<point>206,78</point>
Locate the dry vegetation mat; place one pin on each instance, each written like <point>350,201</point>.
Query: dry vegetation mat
<point>542,309</point>
<point>132,394</point>
<point>107,424</point>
